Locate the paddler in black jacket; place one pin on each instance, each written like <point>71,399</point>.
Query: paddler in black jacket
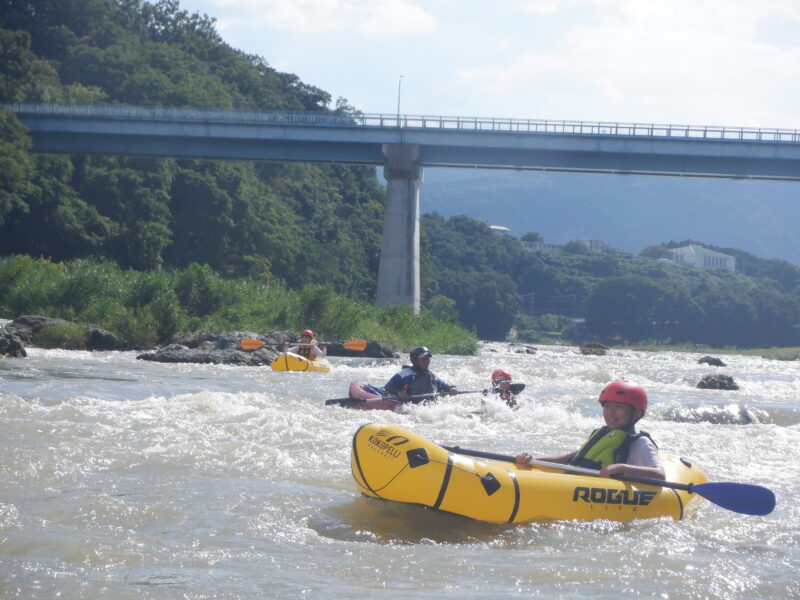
<point>416,380</point>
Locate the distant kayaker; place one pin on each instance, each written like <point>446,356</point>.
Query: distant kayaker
<point>416,380</point>
<point>308,347</point>
<point>616,448</point>
<point>501,385</point>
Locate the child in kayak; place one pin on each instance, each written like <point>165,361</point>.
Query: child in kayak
<point>616,449</point>
<point>502,386</point>
<point>307,347</point>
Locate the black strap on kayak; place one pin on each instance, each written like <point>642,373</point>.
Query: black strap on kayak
<point>445,482</point>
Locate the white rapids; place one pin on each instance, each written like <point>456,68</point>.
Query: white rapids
<point>131,479</point>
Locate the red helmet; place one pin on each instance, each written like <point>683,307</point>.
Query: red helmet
<point>626,393</point>
<point>500,375</point>
<point>307,332</point>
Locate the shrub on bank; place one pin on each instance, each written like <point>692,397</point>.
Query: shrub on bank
<point>62,335</point>
<point>159,307</point>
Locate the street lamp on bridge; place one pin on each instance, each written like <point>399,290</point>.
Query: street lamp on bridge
<point>399,87</point>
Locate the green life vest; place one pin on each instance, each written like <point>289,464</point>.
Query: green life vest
<point>605,447</point>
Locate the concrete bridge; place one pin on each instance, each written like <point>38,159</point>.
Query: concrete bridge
<point>405,144</point>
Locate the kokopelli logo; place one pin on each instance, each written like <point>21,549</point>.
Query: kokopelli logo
<point>388,445</point>
<point>394,440</point>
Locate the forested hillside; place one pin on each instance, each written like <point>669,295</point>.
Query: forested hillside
<point>297,225</point>
<point>496,283</point>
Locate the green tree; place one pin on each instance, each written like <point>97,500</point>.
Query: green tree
<point>16,167</point>
<point>24,77</point>
<point>658,251</point>
<point>466,262</point>
<point>532,236</point>
<point>635,308</point>
<point>199,290</point>
<point>443,308</point>
<point>132,194</point>
<point>56,222</point>
<point>576,247</point>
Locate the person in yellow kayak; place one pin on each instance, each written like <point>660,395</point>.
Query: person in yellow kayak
<point>616,449</point>
<point>415,380</point>
<point>307,347</point>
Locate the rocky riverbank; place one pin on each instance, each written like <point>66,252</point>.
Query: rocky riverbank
<point>226,348</point>
<point>216,348</point>
<point>10,345</point>
<point>47,332</point>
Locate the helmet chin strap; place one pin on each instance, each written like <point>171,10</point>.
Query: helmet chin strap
<point>634,419</point>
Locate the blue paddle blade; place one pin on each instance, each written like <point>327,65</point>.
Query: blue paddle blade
<point>738,497</point>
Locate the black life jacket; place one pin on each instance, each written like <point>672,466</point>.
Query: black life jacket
<point>424,383</point>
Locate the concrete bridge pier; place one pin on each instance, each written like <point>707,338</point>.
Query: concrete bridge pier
<point>398,273</point>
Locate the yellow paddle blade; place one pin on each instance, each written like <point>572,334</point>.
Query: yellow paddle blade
<point>356,345</point>
<point>251,344</point>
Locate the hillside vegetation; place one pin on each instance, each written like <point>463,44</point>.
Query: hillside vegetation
<point>301,224</point>
<point>146,308</point>
<point>497,284</point>
<point>120,237</point>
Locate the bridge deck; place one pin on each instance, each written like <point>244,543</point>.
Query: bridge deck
<point>526,144</point>
<point>393,121</point>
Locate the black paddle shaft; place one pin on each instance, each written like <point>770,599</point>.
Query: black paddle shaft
<point>743,498</point>
<point>413,399</point>
<point>632,478</point>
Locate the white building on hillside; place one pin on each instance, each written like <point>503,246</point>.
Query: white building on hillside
<point>593,246</point>
<point>698,256</point>
<point>499,229</point>
<point>542,247</point>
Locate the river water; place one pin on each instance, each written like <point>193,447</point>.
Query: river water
<point>131,479</point>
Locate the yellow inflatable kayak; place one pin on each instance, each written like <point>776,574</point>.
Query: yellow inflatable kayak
<point>288,361</point>
<point>392,463</point>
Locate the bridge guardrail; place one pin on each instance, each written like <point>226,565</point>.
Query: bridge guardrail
<point>384,121</point>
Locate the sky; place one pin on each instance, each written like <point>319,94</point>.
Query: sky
<point>687,62</point>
